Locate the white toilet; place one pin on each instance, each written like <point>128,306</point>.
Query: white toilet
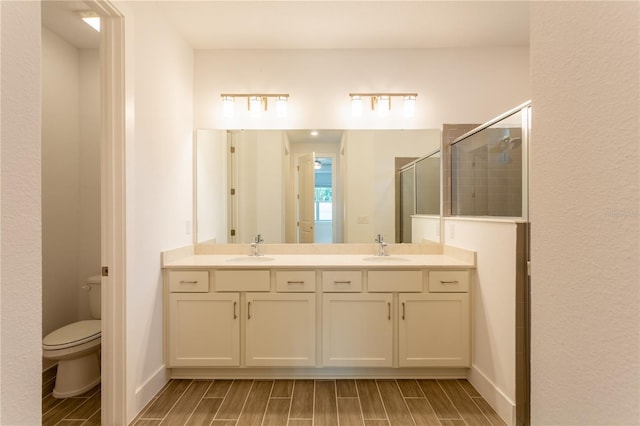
<point>76,347</point>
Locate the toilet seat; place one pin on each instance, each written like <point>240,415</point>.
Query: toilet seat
<point>72,335</point>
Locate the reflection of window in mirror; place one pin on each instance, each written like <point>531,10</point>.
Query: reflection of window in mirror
<point>323,200</point>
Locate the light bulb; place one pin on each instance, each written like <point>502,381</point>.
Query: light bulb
<point>281,106</point>
<point>409,106</point>
<point>227,106</point>
<point>384,104</point>
<point>254,106</point>
<point>356,106</point>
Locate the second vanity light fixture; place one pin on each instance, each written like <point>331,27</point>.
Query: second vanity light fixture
<point>256,103</point>
<point>382,103</point>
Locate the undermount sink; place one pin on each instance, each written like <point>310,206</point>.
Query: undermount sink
<point>383,259</point>
<point>250,259</point>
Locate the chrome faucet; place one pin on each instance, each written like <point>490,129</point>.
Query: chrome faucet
<point>254,245</point>
<point>380,240</point>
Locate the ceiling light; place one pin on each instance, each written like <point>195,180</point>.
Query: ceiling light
<point>314,133</point>
<point>317,165</point>
<point>90,17</point>
<point>410,106</point>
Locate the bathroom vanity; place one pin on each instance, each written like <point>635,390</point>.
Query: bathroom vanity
<point>318,315</point>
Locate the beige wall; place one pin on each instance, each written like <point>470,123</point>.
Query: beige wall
<point>20,235</point>
<point>585,213</point>
<point>70,178</point>
<point>319,82</point>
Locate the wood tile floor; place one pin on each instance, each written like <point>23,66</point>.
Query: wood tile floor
<point>289,403</point>
<point>318,403</point>
<point>80,410</point>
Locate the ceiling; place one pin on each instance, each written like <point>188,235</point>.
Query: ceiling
<point>299,24</point>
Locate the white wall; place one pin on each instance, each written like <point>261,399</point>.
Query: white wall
<point>159,198</point>
<point>424,227</point>
<point>453,85</point>
<point>260,188</point>
<point>20,228</point>
<point>60,181</point>
<point>585,213</point>
<point>493,370</point>
<point>70,178</point>
<point>89,171</point>
<point>211,171</point>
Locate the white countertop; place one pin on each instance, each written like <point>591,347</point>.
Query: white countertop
<point>269,261</point>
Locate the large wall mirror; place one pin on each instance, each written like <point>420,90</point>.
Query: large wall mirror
<point>295,186</point>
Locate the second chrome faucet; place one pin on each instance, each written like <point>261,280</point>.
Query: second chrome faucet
<point>254,245</point>
<point>381,245</point>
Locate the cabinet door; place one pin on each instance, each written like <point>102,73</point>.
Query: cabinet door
<point>204,329</point>
<point>280,329</point>
<point>434,330</point>
<point>357,330</point>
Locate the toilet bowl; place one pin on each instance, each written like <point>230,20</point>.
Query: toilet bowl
<point>76,347</point>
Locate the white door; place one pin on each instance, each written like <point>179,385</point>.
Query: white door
<point>306,198</point>
<point>204,329</point>
<point>280,329</point>
<point>434,330</point>
<point>357,330</point>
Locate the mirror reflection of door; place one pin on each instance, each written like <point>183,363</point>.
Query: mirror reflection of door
<point>306,198</point>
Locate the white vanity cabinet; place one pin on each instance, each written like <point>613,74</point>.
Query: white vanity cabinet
<point>280,329</point>
<point>316,319</point>
<point>204,329</point>
<point>434,326</point>
<point>357,330</point>
<point>434,330</point>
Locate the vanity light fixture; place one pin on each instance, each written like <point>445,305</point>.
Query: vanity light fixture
<point>382,103</point>
<point>256,103</point>
<point>90,17</point>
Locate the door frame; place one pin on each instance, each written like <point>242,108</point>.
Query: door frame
<point>113,212</point>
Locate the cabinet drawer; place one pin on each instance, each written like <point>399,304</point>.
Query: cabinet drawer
<point>241,280</point>
<point>295,281</point>
<point>385,281</point>
<point>449,281</point>
<point>188,281</point>
<point>342,281</point>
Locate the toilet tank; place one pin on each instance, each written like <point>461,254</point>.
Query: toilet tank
<point>95,296</point>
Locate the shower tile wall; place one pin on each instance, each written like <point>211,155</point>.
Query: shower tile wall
<point>487,174</point>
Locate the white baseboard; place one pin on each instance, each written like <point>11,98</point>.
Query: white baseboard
<point>149,389</point>
<point>502,404</point>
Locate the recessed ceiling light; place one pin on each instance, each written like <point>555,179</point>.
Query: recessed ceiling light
<point>314,133</point>
<point>91,18</point>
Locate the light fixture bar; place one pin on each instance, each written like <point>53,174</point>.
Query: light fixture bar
<point>255,101</point>
<point>381,101</point>
<point>382,94</point>
<point>259,95</point>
